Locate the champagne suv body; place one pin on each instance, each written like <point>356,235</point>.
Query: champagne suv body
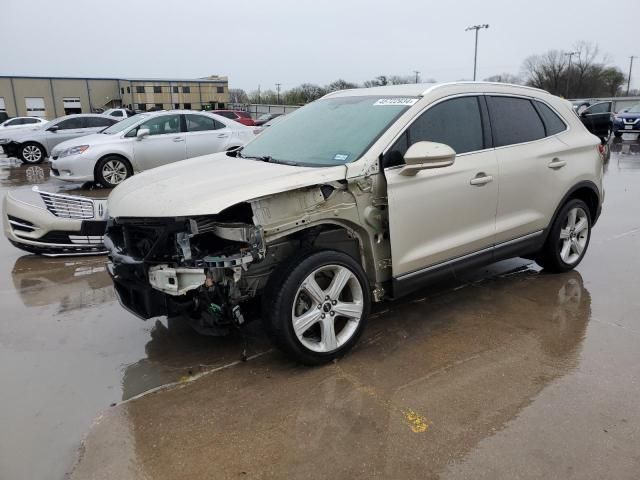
<point>361,196</point>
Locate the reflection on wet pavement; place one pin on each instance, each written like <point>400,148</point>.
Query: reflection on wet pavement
<point>431,378</point>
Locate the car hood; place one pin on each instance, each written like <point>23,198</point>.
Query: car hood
<point>207,185</point>
<point>628,115</point>
<point>93,139</point>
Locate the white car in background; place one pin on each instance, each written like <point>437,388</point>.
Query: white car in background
<point>145,141</point>
<point>21,122</point>
<point>119,113</point>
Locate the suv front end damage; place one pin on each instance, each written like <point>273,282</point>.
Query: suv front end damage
<point>175,266</point>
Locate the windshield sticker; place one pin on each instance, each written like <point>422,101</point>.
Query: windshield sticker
<point>341,157</point>
<point>396,101</point>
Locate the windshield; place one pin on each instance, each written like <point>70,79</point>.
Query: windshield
<point>634,109</point>
<point>331,131</point>
<point>123,124</point>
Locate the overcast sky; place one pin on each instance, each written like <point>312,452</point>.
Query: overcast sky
<point>294,41</point>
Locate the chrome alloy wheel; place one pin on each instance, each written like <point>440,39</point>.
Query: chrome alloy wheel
<point>32,154</point>
<point>327,308</point>
<point>114,171</point>
<point>574,235</point>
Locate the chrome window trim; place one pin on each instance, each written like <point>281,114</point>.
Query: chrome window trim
<point>476,94</point>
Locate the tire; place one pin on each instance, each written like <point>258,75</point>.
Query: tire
<point>617,134</point>
<point>568,238</point>
<point>32,153</point>
<point>323,333</point>
<point>112,170</point>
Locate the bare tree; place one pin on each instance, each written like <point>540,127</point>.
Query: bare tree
<point>238,95</point>
<point>505,78</point>
<point>340,85</point>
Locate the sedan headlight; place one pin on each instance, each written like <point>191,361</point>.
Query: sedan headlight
<point>4,140</point>
<point>73,151</point>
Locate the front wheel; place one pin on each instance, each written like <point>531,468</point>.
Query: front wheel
<point>568,238</point>
<point>316,306</point>
<point>32,153</point>
<point>112,171</point>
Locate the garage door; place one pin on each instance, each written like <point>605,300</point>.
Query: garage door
<point>35,107</point>
<point>72,105</point>
<point>2,109</point>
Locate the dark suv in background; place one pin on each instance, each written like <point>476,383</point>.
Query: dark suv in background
<point>627,121</point>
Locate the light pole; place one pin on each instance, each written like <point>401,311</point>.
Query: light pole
<point>475,57</point>
<point>629,77</point>
<point>570,55</point>
<point>278,90</point>
<point>417,75</point>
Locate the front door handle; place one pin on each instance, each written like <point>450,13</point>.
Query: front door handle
<point>178,139</point>
<point>222,135</point>
<point>481,179</point>
<point>557,163</point>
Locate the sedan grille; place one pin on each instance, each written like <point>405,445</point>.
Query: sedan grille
<point>66,206</point>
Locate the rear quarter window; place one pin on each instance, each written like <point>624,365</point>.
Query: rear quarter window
<point>514,120</point>
<point>553,124</point>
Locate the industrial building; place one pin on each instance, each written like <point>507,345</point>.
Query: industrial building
<point>51,97</point>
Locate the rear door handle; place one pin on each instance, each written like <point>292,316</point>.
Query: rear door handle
<point>557,163</point>
<point>481,179</point>
<point>178,139</point>
<point>222,135</point>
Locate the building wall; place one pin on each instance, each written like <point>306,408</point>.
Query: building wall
<point>106,93</point>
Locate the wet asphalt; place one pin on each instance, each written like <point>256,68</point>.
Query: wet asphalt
<point>507,373</point>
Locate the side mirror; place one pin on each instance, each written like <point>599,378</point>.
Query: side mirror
<point>143,132</point>
<point>423,155</point>
<point>53,128</point>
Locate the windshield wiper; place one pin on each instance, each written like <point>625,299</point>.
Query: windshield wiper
<point>265,158</point>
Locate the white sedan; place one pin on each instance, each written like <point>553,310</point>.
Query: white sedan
<point>145,141</point>
<point>22,122</point>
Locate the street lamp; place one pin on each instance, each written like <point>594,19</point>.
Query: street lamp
<point>570,55</point>
<point>629,77</point>
<point>475,57</point>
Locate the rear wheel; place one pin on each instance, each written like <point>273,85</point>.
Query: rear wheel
<point>112,171</point>
<point>32,153</point>
<point>317,305</point>
<point>568,238</point>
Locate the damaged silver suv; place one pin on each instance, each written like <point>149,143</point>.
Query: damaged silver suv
<point>361,196</point>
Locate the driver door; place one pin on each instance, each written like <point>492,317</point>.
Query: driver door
<point>443,213</point>
<point>164,144</point>
<point>597,119</point>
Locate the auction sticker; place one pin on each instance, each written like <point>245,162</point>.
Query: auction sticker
<point>396,101</point>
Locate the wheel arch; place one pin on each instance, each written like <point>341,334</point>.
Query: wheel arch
<point>36,142</point>
<point>588,192</point>
<point>110,154</point>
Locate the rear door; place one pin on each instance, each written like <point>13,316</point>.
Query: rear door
<point>164,144</point>
<point>597,118</point>
<point>205,135</point>
<point>443,213</point>
<point>532,167</point>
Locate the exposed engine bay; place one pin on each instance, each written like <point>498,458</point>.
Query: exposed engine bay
<point>210,268</point>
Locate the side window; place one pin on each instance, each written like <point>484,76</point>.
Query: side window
<point>93,122</point>
<point>230,115</point>
<point>28,121</point>
<point>71,123</point>
<point>14,122</point>
<point>604,107</point>
<point>514,120</point>
<point>200,123</point>
<point>117,113</point>
<point>456,122</point>
<point>162,125</point>
<point>552,122</point>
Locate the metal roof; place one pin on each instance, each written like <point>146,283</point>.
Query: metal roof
<point>132,79</point>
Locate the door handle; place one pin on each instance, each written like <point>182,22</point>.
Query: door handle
<point>557,163</point>
<point>481,179</point>
<point>178,139</point>
<point>222,135</point>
